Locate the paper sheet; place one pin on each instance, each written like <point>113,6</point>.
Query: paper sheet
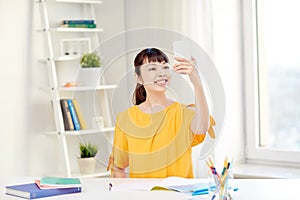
<point>148,184</point>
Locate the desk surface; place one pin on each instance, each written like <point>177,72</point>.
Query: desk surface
<point>97,188</point>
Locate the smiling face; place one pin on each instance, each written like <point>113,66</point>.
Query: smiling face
<point>155,75</point>
<point>151,73</point>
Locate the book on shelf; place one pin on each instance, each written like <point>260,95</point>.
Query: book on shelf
<point>78,21</point>
<point>81,120</point>
<point>73,115</point>
<point>32,191</point>
<point>78,25</point>
<point>68,122</point>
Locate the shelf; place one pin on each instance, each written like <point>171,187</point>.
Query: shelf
<point>80,1</point>
<point>57,39</point>
<point>83,88</point>
<point>87,88</point>
<point>67,58</point>
<point>62,29</point>
<point>84,132</point>
<point>249,170</point>
<point>62,58</point>
<point>89,131</point>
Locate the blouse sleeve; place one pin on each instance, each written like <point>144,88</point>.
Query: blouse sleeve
<point>119,156</point>
<point>120,148</point>
<point>199,138</point>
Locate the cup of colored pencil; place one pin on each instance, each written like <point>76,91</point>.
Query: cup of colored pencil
<point>220,187</point>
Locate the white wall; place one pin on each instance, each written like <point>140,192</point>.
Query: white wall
<point>15,54</point>
<point>26,111</point>
<point>228,59</point>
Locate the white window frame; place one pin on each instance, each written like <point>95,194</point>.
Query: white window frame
<point>255,153</point>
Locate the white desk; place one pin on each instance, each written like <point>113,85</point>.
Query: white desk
<point>97,188</point>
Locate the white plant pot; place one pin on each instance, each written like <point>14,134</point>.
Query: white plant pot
<point>89,76</point>
<point>87,165</point>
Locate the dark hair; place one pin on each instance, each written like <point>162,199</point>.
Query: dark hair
<point>151,55</point>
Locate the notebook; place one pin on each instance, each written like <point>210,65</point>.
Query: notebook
<point>60,181</point>
<point>32,191</point>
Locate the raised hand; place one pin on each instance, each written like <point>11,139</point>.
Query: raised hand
<point>188,67</point>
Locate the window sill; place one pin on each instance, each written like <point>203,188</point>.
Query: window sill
<point>264,171</point>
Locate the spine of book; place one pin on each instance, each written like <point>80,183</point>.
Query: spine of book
<point>79,114</point>
<point>32,191</point>
<point>81,21</point>
<point>79,25</point>
<point>54,192</point>
<point>68,122</point>
<point>73,115</point>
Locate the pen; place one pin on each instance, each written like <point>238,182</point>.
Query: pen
<point>225,166</point>
<point>213,171</point>
<point>200,192</point>
<point>110,185</point>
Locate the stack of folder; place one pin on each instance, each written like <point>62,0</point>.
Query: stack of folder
<point>45,187</point>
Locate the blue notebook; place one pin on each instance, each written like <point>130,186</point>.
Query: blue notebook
<point>32,191</point>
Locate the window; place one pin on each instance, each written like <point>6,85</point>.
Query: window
<point>279,65</point>
<point>272,80</point>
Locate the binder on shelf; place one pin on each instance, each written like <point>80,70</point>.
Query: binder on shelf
<point>73,115</point>
<point>68,122</point>
<point>82,122</point>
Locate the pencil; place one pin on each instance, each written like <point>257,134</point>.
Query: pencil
<point>225,165</point>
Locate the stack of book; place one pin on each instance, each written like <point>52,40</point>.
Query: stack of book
<point>73,118</point>
<point>45,187</point>
<point>81,23</point>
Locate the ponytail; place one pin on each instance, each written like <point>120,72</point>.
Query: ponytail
<point>139,95</point>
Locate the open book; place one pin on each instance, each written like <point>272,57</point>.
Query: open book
<point>178,184</point>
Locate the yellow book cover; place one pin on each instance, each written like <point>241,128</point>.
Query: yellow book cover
<point>79,114</point>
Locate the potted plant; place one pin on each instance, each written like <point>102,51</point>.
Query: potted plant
<point>90,60</point>
<point>87,161</point>
<point>90,69</point>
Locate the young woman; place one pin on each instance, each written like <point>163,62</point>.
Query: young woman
<point>154,137</point>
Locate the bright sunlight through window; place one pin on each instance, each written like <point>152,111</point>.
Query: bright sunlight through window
<point>279,74</point>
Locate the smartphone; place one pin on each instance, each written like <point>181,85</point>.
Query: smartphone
<point>182,48</point>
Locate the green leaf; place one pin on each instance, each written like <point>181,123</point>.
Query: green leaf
<point>87,150</point>
<point>90,60</point>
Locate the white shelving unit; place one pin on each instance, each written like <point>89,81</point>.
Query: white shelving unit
<point>63,65</point>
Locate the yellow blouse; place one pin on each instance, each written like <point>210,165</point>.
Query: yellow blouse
<point>155,145</point>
